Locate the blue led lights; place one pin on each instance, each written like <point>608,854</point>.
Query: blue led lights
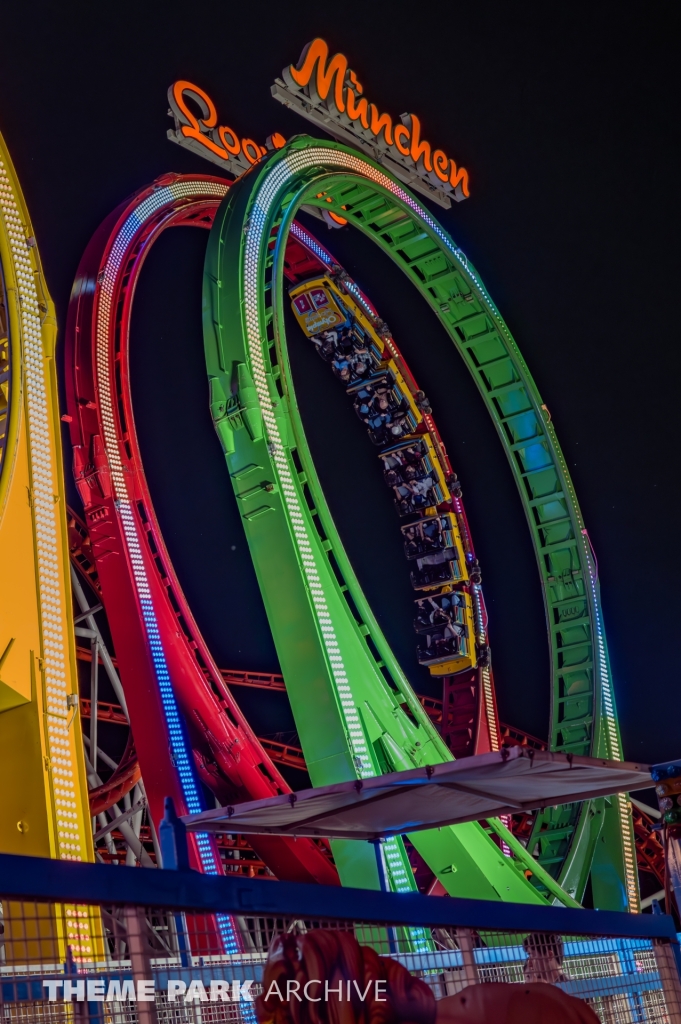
<point>164,197</point>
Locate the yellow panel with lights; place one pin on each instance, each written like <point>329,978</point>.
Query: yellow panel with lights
<point>44,794</point>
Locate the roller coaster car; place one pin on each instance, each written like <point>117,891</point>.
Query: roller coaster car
<point>434,543</point>
<point>382,407</point>
<point>315,308</point>
<point>428,535</point>
<point>355,348</point>
<point>347,351</point>
<point>413,472</point>
<point>446,627</point>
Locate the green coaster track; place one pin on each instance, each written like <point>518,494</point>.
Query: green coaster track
<point>355,712</point>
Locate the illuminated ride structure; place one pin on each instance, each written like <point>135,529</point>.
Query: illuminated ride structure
<point>44,792</point>
<point>168,674</point>
<point>355,713</point>
<point>296,548</point>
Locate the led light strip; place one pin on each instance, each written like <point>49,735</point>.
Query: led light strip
<point>489,708</point>
<point>363,760</point>
<point>309,242</point>
<point>123,242</point>
<point>613,742</point>
<point>5,384</point>
<point>290,165</point>
<point>52,596</point>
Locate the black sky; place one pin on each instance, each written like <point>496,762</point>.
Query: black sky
<point>565,118</point>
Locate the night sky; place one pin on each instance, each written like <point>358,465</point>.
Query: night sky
<point>564,119</point>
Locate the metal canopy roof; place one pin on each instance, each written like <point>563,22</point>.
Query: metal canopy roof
<point>470,789</point>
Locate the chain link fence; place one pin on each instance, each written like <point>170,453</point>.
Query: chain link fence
<point>121,961</point>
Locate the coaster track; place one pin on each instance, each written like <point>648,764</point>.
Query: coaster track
<point>43,797</point>
<point>350,699</point>
<point>94,314</point>
<point>102,425</point>
<point>169,676</point>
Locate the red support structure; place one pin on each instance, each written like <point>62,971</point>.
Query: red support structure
<point>226,753</point>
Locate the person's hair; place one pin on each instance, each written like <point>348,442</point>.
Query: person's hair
<point>544,944</point>
<point>336,957</point>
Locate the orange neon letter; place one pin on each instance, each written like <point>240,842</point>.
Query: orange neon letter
<point>316,56</point>
<point>360,111</point>
<point>441,165</point>
<point>230,140</point>
<point>419,150</point>
<point>191,128</point>
<point>402,132</point>
<point>458,179</point>
<point>381,123</point>
<point>251,150</point>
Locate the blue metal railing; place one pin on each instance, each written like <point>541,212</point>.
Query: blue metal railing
<point>30,878</point>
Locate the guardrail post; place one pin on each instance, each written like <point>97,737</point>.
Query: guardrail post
<point>172,837</point>
<point>136,928</point>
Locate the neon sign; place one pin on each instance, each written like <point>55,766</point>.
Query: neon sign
<point>327,92</point>
<point>202,134</point>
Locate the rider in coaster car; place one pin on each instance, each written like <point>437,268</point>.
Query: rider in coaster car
<point>433,538</point>
<point>440,644</point>
<point>430,572</point>
<point>381,403</point>
<point>361,348</point>
<point>354,985</point>
<point>346,341</point>
<point>442,607</point>
<point>397,424</point>
<point>361,363</point>
<point>418,500</point>
<point>403,495</point>
<point>350,366</point>
<point>375,406</point>
<point>342,368</point>
<point>424,614</point>
<point>411,544</point>
<point>423,491</point>
<point>325,343</point>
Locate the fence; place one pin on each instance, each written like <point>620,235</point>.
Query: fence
<point>115,945</point>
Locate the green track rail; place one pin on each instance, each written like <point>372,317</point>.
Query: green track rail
<point>354,709</point>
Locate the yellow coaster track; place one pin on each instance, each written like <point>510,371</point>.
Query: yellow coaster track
<point>43,791</point>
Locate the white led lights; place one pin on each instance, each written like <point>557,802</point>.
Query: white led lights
<point>290,165</point>
<point>612,736</point>
<point>401,881</point>
<point>270,187</point>
<point>45,511</point>
<point>107,283</point>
